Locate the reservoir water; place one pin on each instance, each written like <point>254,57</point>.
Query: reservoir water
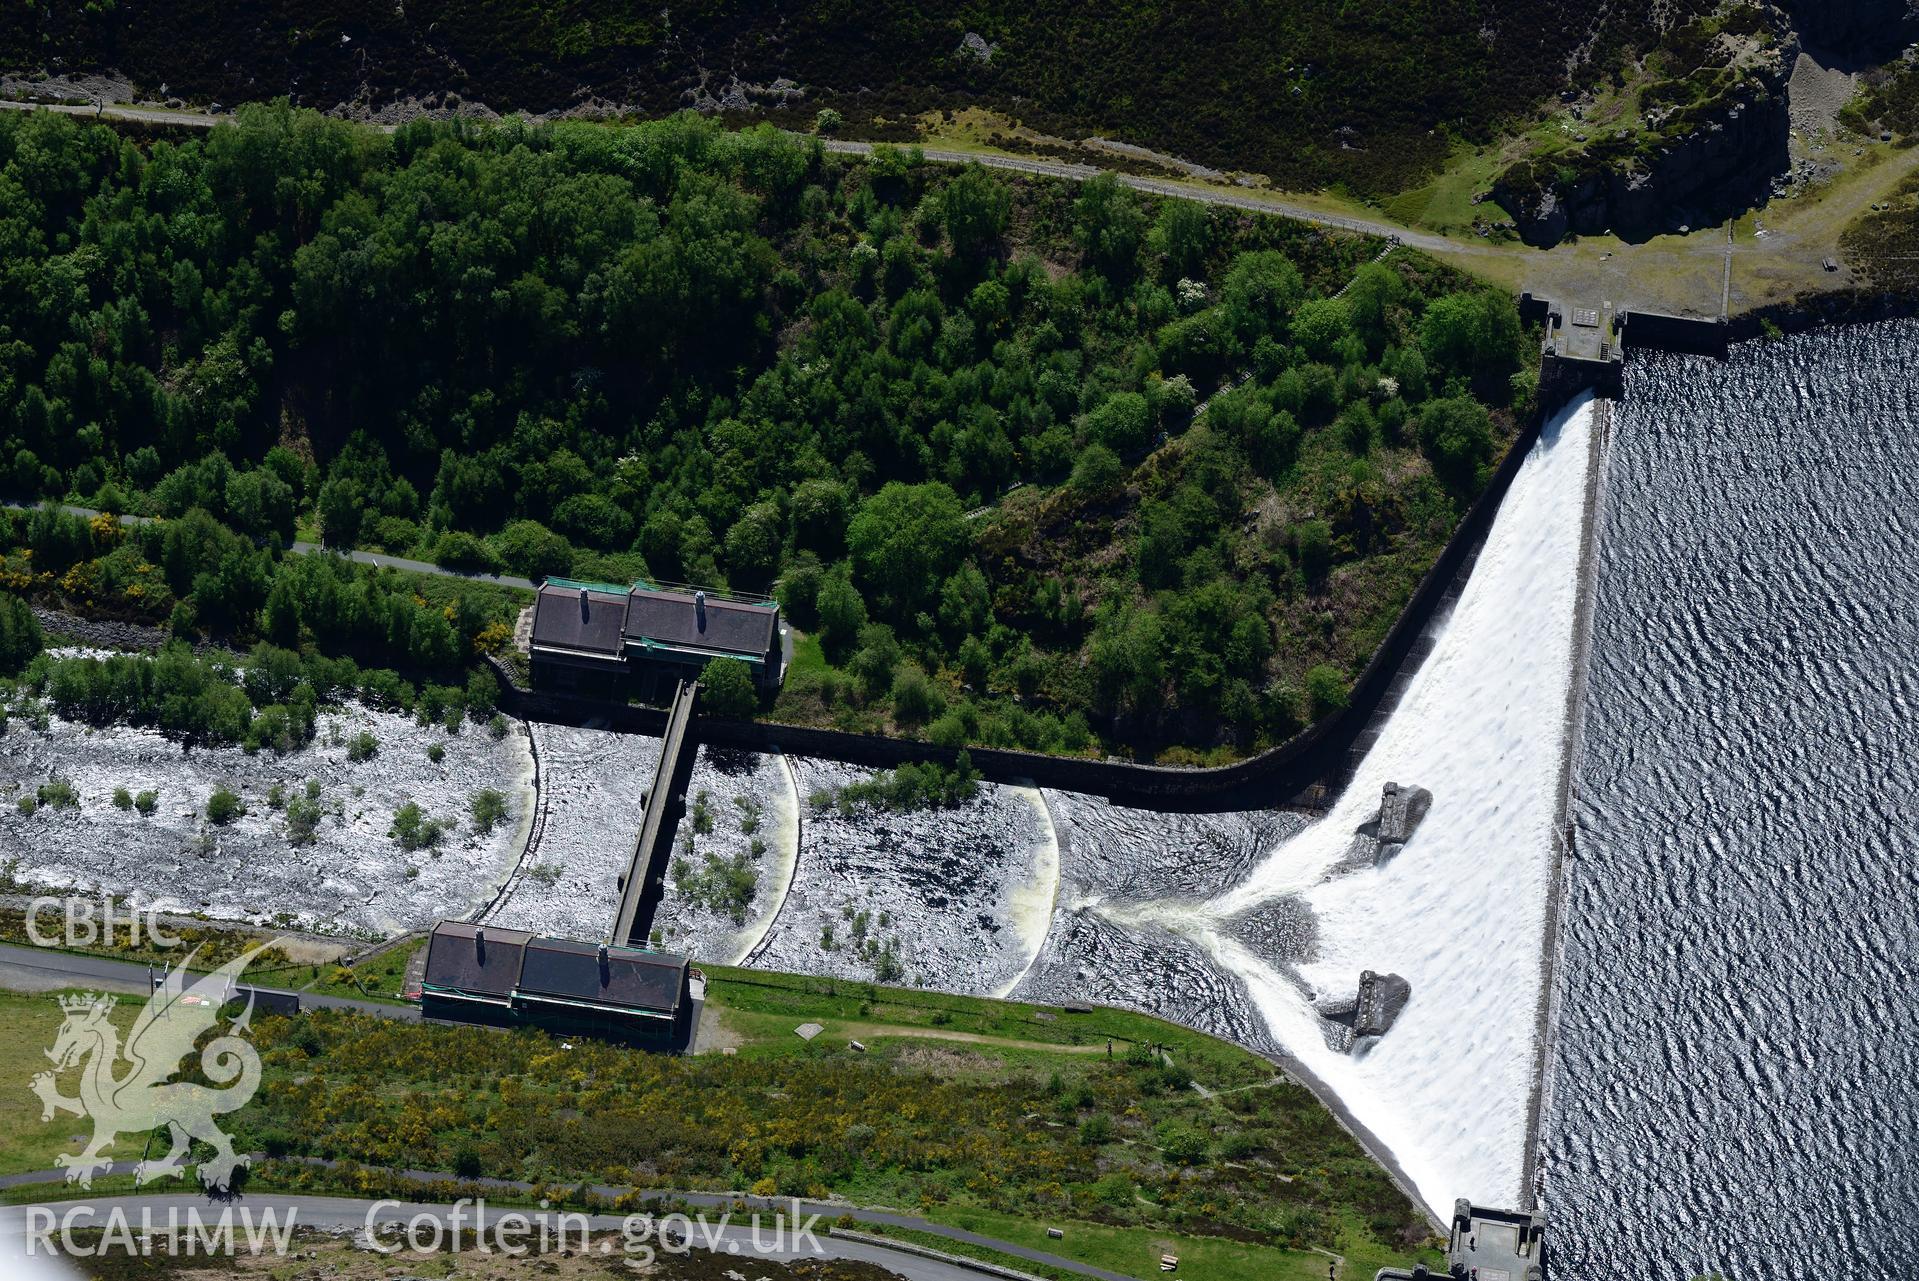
<point>1735,1082</point>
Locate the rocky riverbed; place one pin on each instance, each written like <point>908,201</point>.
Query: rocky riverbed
<point>350,874</point>
<point>950,898</point>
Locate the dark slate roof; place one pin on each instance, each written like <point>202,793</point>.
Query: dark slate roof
<point>578,618</point>
<point>484,961</point>
<point>672,618</point>
<point>573,972</point>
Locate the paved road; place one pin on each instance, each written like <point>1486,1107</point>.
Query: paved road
<point>303,548</point>
<point>42,967</point>
<point>344,1214</point>
<point>351,1213</point>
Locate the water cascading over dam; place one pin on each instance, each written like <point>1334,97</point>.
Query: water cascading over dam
<point>1459,913</point>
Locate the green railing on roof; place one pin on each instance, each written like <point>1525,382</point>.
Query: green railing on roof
<point>683,589</point>
<point>575,584</point>
<point>649,645</point>
<point>712,593</point>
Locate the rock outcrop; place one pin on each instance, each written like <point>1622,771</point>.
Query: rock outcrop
<point>1281,932</point>
<point>1709,145</point>
<point>1720,166</point>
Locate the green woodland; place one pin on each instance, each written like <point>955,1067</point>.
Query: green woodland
<point>969,430</point>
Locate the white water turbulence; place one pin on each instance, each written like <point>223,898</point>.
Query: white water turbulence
<point>1460,912</point>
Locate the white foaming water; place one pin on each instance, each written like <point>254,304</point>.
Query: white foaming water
<point>1460,912</point>
<point>1029,903</point>
<point>778,878</point>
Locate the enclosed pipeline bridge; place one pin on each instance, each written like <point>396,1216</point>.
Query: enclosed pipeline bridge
<point>645,879</point>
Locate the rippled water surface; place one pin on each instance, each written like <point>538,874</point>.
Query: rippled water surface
<point>1736,1081</point>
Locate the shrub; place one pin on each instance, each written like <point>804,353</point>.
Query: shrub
<point>413,829</point>
<point>904,541</point>
<point>457,549</point>
<point>912,786</point>
<point>915,699</point>
<point>874,663</point>
<point>530,548</point>
<point>1326,689</point>
<point>799,592</point>
<point>726,886</point>
<point>842,613</point>
<point>57,793</point>
<point>1182,1144</point>
<point>727,690</point>
<point>467,1162</point>
<point>1123,423</point>
<point>303,818</point>
<point>1096,1129</point>
<point>1313,545</point>
<point>1456,433</point>
<point>1471,333</point>
<point>224,806</point>
<point>1098,473</point>
<point>488,807</point>
<point>436,752</point>
<point>146,802</point>
<point>20,634</point>
<point>122,799</point>
<point>364,747</point>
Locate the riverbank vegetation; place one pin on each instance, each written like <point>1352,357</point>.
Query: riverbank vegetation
<point>916,785</point>
<point>267,699</point>
<point>967,428</point>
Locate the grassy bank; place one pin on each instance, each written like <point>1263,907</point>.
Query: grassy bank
<point>1001,1119</point>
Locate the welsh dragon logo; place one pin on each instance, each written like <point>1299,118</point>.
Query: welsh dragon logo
<point>144,1097</point>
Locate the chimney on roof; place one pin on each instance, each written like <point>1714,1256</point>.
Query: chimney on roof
<point>479,945</point>
<point>699,610</point>
<point>583,602</point>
